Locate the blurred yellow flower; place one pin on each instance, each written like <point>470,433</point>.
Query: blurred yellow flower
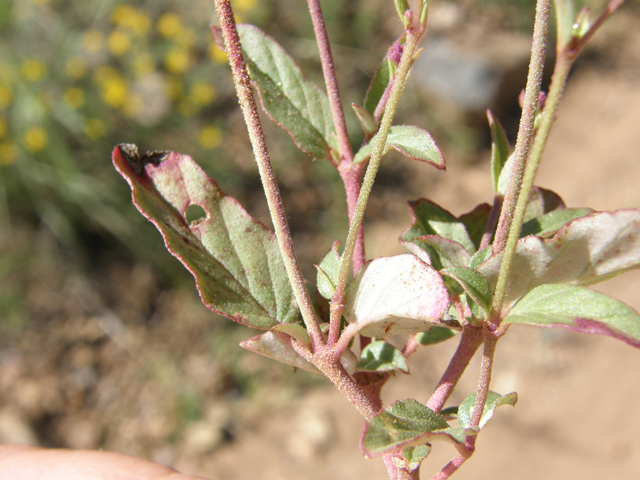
<point>174,88</point>
<point>243,5</point>
<point>8,153</point>
<point>122,13</point>
<point>209,137</point>
<point>75,68</point>
<point>202,93</point>
<point>5,96</point>
<point>35,139</point>
<point>93,41</point>
<point>216,54</point>
<point>143,63</point>
<point>94,128</point>
<point>3,128</point>
<point>131,18</point>
<point>119,42</point>
<point>33,70</point>
<point>169,25</point>
<point>177,60</point>
<point>104,73</point>
<point>113,91</point>
<point>74,97</point>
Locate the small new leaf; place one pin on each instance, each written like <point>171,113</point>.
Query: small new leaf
<point>499,149</point>
<point>380,356</point>
<point>435,335</point>
<point>494,400</point>
<point>277,347</point>
<point>474,284</point>
<point>578,309</point>
<point>328,272</point>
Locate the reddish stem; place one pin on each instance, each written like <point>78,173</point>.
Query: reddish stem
<point>451,467</point>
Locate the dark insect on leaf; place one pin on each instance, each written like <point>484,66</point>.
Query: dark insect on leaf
<point>138,161</point>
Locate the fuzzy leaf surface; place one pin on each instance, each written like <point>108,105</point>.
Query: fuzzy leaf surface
<point>409,140</point>
<point>450,253</point>
<point>234,259</point>
<point>393,295</point>
<point>414,456</point>
<point>380,356</point>
<point>294,103</point>
<point>552,221</point>
<point>578,309</point>
<point>277,347</point>
<point>494,400</point>
<point>541,202</point>
<point>587,250</point>
<point>474,284</point>
<point>499,149</point>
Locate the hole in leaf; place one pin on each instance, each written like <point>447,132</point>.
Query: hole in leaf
<point>194,213</point>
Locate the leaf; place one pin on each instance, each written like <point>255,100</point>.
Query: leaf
<point>235,260</point>
<point>552,221</point>
<point>380,356</point>
<point>541,202</point>
<point>505,176</point>
<point>450,253</point>
<point>578,309</point>
<point>480,257</point>
<point>296,331</point>
<point>393,295</point>
<point>499,149</point>
<point>328,272</point>
<point>565,19</point>
<point>587,250</point>
<point>277,347</point>
<point>411,141</point>
<point>431,219</point>
<point>382,78</point>
<point>414,456</point>
<point>367,122</point>
<point>494,400</point>
<point>434,335</point>
<point>294,103</point>
<point>474,284</point>
<point>475,222</point>
<point>403,422</point>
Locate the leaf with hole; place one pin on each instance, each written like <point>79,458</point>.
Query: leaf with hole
<point>578,309</point>
<point>411,141</point>
<point>294,103</point>
<point>393,295</point>
<point>234,259</point>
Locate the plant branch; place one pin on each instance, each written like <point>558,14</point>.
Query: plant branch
<point>486,367</point>
<point>451,467</point>
<point>331,81</point>
<point>509,230</point>
<point>470,340</point>
<point>258,142</point>
<point>337,304</point>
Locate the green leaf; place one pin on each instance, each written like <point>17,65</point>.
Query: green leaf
<point>381,79</point>
<point>450,253</point>
<point>480,257</point>
<point>474,284</point>
<point>499,149</point>
<point>411,141</point>
<point>367,122</point>
<point>431,219</point>
<point>552,221</point>
<point>578,309</point>
<point>494,400</point>
<point>393,295</point>
<point>541,202</point>
<point>587,250</point>
<point>277,347</point>
<point>296,331</point>
<point>475,222</point>
<point>414,456</point>
<point>380,356</point>
<point>505,176</point>
<point>235,260</point>
<point>291,101</point>
<point>405,423</point>
<point>434,335</point>
<point>328,272</point>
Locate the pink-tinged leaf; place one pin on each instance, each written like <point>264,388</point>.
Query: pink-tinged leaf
<point>494,400</point>
<point>450,252</point>
<point>411,141</point>
<point>235,260</point>
<point>294,103</point>
<point>588,250</point>
<point>541,202</point>
<point>578,309</point>
<point>475,222</point>
<point>407,423</point>
<point>277,347</point>
<point>393,295</point>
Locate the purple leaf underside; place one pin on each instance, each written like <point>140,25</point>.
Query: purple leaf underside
<point>234,259</point>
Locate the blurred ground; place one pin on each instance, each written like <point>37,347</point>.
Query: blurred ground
<point>96,351</point>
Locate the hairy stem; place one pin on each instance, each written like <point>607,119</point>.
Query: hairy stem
<point>330,80</point>
<point>508,228</point>
<point>470,340</point>
<point>272,192</point>
<point>486,367</point>
<point>337,304</point>
<point>451,467</point>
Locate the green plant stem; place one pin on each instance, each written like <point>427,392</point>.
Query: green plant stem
<point>509,227</point>
<point>337,304</point>
<point>272,192</point>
